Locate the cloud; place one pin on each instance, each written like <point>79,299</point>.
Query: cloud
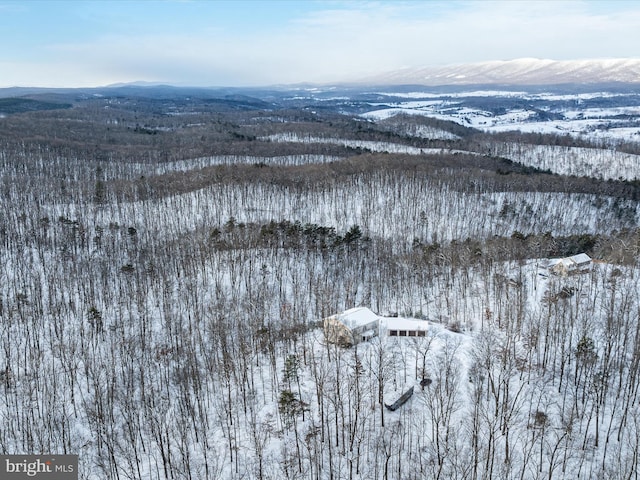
<point>53,73</point>
<point>558,30</point>
<point>348,41</point>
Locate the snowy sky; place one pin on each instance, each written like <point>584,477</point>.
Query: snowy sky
<point>243,43</point>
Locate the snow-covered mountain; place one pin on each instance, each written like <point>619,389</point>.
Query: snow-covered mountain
<point>524,71</point>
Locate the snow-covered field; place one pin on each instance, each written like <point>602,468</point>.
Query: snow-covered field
<point>567,117</point>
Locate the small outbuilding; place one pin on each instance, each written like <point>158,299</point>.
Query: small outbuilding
<point>351,326</point>
<point>567,265</point>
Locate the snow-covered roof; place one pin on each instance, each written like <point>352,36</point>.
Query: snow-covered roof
<point>570,261</point>
<point>399,323</point>
<point>581,258</point>
<point>560,261</point>
<point>357,317</point>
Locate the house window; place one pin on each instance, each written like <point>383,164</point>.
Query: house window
<point>421,333</point>
<point>393,333</point>
<point>412,333</point>
<point>403,333</point>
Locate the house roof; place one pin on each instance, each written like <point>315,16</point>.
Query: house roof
<point>570,261</point>
<point>398,323</point>
<point>581,258</point>
<point>357,317</point>
<point>560,261</point>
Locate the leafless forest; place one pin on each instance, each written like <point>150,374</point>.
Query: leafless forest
<point>167,261</point>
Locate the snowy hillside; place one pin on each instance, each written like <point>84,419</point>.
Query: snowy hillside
<point>586,162</point>
<point>598,115</point>
<point>167,264</point>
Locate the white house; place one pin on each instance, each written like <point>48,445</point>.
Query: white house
<point>564,266</point>
<point>351,326</point>
<point>359,324</point>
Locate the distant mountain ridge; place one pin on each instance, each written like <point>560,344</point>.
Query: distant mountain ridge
<point>523,71</point>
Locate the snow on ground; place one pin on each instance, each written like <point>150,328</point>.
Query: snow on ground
<point>599,129</point>
<point>601,112</point>
<point>369,145</point>
<point>403,126</point>
<point>578,161</point>
<point>507,380</point>
<point>611,123</point>
<point>499,336</point>
<point>442,215</point>
<point>430,211</point>
<point>148,169</point>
